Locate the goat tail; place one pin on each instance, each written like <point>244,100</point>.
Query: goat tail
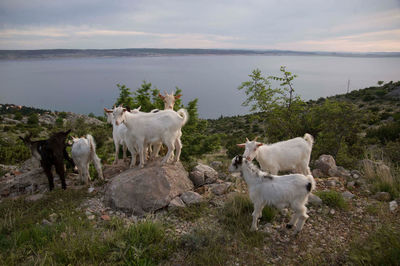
<point>184,114</point>
<point>311,185</point>
<point>309,139</point>
<point>92,144</point>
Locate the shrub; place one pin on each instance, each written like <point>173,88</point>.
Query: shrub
<point>332,199</point>
<point>33,119</point>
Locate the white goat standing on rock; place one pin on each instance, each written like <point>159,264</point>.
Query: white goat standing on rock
<point>119,132</point>
<point>278,191</point>
<point>290,155</point>
<point>83,152</point>
<point>147,128</point>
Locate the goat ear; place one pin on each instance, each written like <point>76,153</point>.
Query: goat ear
<point>123,109</point>
<point>242,145</point>
<point>259,144</point>
<point>107,110</point>
<point>21,138</point>
<point>162,97</point>
<point>67,132</point>
<point>178,96</point>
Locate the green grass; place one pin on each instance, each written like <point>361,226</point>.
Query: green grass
<point>236,218</point>
<point>332,199</point>
<point>72,238</point>
<point>382,247</point>
<point>191,212</point>
<point>205,247</point>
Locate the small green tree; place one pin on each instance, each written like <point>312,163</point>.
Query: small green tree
<point>260,95</point>
<point>33,119</point>
<point>124,96</point>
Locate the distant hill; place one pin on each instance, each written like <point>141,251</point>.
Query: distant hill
<point>141,52</point>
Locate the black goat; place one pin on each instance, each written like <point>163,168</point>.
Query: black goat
<point>51,152</point>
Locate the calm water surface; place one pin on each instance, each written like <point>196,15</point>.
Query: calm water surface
<point>87,85</point>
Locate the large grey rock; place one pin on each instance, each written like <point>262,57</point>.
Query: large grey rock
<point>203,174</point>
<point>326,164</point>
<point>139,191</point>
<point>190,197</point>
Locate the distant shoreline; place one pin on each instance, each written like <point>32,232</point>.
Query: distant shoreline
<point>149,52</point>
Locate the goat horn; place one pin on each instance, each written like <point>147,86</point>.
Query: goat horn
<point>255,138</point>
<point>247,140</point>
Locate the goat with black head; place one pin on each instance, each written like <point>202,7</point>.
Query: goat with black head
<point>51,152</point>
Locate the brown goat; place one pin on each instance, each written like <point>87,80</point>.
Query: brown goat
<point>51,152</point>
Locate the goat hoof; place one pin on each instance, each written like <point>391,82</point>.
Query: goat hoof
<point>253,229</point>
<point>289,226</point>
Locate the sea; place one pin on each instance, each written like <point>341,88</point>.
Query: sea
<point>87,85</point>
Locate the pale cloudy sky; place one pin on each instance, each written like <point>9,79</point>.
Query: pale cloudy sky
<point>308,25</point>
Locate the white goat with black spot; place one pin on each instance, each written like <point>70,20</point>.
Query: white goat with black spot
<point>278,191</point>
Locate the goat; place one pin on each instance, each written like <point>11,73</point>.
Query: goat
<point>51,152</point>
<point>289,155</point>
<point>146,128</point>
<point>169,100</point>
<point>119,132</point>
<point>277,191</point>
<point>83,152</point>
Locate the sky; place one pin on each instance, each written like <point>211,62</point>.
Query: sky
<point>308,25</point>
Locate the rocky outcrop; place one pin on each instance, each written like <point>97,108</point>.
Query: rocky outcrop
<point>28,182</point>
<point>139,191</point>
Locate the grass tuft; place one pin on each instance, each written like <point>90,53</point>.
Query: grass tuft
<point>332,199</point>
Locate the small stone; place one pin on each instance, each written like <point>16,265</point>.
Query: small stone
<point>46,222</point>
<point>88,213</point>
<point>220,189</point>
<point>314,199</point>
<point>348,195</point>
<point>393,206</point>
<point>190,197</point>
<point>331,183</point>
<point>53,217</point>
<point>90,190</point>
<point>382,196</point>
<point>332,211</point>
<point>176,203</point>
<point>91,217</point>
<point>63,235</point>
<point>351,184</point>
<point>105,217</point>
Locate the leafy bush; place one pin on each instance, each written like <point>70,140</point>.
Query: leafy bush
<point>13,152</point>
<point>332,199</point>
<point>385,133</point>
<point>33,119</point>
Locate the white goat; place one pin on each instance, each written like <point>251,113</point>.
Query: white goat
<point>119,132</point>
<point>146,128</point>
<point>83,152</point>
<point>289,155</point>
<point>169,100</point>
<point>278,191</point>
